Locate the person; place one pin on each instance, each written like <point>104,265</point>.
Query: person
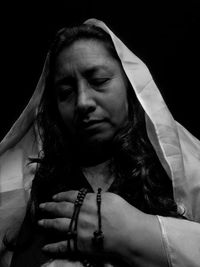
<point>96,169</point>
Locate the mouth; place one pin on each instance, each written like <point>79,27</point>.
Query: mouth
<point>90,124</point>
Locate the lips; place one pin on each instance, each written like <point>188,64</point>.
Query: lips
<point>89,124</point>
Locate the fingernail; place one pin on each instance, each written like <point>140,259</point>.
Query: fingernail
<point>41,222</point>
<point>55,196</point>
<point>42,205</point>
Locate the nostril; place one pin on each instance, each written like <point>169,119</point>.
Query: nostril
<point>85,104</point>
<point>85,98</point>
<point>82,111</point>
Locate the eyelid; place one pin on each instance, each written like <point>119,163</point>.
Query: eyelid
<point>65,83</point>
<point>99,81</point>
<point>64,93</point>
<point>64,87</point>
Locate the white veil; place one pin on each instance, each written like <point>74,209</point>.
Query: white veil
<point>177,149</point>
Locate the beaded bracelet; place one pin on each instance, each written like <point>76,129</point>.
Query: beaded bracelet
<point>72,234</point>
<point>98,236</point>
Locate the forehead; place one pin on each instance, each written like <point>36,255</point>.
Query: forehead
<point>85,54</point>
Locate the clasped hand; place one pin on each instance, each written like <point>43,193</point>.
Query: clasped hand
<point>116,216</point>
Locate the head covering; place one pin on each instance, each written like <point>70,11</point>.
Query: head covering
<point>177,149</point>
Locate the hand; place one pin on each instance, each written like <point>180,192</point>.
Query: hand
<point>116,216</point>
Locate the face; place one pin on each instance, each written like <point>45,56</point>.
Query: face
<point>91,92</point>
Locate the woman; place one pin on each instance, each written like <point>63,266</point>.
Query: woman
<point>92,132</point>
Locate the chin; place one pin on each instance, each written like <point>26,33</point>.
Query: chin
<point>97,140</point>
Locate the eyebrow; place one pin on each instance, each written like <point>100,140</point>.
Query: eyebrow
<point>95,69</point>
<point>64,79</point>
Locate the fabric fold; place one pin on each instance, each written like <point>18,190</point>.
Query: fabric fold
<point>177,150</point>
<point>181,239</point>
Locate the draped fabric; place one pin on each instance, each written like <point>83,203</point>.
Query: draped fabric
<point>177,149</point>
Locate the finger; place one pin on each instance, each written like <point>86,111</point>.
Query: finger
<point>61,224</point>
<point>66,196</point>
<point>56,248</point>
<point>58,209</point>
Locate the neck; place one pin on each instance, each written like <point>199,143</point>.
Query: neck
<point>100,175</point>
<point>92,155</point>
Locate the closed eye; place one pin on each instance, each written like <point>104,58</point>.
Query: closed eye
<point>65,93</point>
<point>98,81</point>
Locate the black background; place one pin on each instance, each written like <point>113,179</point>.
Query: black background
<point>163,34</point>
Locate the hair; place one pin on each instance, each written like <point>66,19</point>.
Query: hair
<point>140,177</point>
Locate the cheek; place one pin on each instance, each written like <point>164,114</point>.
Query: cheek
<point>67,114</point>
<point>118,105</point>
<point>121,110</point>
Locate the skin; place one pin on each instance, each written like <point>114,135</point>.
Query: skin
<point>128,232</point>
<point>91,95</point>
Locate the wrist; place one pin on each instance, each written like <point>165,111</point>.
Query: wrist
<point>132,235</point>
<point>142,243</point>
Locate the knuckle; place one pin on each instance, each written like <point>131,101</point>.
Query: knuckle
<point>62,247</point>
<point>60,207</point>
<point>56,223</point>
<point>44,223</point>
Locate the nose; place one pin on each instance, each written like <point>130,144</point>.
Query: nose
<point>85,100</point>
